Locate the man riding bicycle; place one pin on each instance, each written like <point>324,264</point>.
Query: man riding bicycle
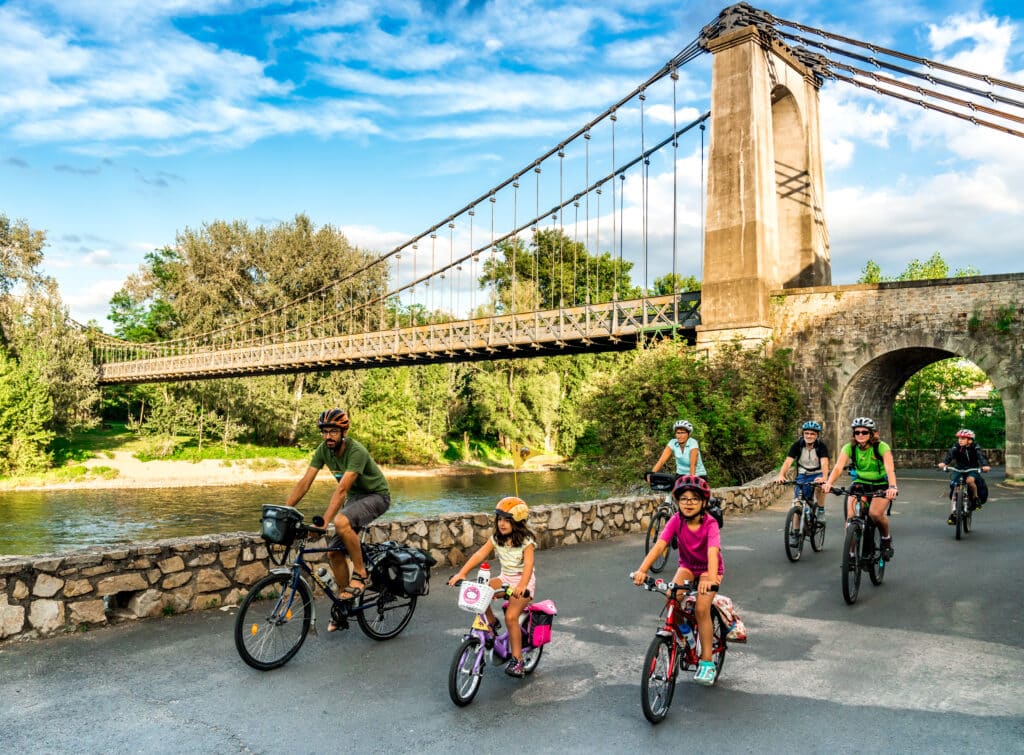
<point>810,454</point>
<point>362,495</point>
<point>967,454</point>
<point>876,475</point>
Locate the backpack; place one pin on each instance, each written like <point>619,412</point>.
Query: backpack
<point>714,508</point>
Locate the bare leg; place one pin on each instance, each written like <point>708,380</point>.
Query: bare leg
<point>515,633</point>
<point>343,529</point>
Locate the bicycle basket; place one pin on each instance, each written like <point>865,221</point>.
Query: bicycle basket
<point>278,523</point>
<point>661,481</point>
<point>475,596</point>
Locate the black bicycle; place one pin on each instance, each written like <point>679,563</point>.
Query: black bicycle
<point>660,482</point>
<point>802,522</point>
<point>862,546</point>
<point>963,507</point>
<point>277,614</point>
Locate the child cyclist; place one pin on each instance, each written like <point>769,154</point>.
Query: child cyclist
<point>515,545</point>
<point>967,454</point>
<point>700,556</point>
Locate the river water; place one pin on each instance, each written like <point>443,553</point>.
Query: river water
<point>33,522</point>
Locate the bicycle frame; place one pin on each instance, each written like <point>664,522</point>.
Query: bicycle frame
<point>679,613</point>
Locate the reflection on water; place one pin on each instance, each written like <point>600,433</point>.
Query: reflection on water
<point>34,522</point>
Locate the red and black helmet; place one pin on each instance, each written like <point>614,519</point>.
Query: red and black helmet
<point>333,418</point>
<point>691,482</point>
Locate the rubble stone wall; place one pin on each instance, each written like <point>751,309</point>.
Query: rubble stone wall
<point>92,587</point>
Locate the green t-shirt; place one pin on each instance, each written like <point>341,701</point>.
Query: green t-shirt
<point>354,458</point>
<point>869,468</point>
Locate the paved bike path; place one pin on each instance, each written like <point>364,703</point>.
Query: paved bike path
<point>931,661</point>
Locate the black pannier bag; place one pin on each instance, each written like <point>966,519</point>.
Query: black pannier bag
<point>661,481</point>
<point>278,523</point>
<point>404,570</point>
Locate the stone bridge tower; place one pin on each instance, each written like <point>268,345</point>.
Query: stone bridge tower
<point>765,225</point>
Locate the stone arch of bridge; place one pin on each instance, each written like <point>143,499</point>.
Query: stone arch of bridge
<point>867,386</point>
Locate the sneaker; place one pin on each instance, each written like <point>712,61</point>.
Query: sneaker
<point>515,668</point>
<point>821,513</point>
<point>887,549</point>
<point>706,673</point>
<point>952,519</point>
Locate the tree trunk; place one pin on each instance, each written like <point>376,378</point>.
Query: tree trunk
<point>299,385</point>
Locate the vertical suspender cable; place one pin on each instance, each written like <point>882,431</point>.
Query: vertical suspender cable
<point>643,186</point>
<point>615,281</point>
<point>675,195</point>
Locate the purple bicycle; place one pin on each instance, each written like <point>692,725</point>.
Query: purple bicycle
<point>481,645</point>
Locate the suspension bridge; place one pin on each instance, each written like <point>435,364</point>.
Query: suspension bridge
<point>639,191</point>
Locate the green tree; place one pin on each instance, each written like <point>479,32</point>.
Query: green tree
<point>932,268</point>
<point>673,283</point>
<point>930,407</point>
<point>26,409</point>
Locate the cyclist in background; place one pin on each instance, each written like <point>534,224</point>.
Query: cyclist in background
<point>966,454</point>
<point>357,473</point>
<point>686,451</point>
<point>810,454</point>
<point>876,474</point>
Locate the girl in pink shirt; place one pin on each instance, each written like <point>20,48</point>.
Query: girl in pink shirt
<point>700,558</point>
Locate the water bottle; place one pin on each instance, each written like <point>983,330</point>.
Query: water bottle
<point>484,575</point>
<point>687,635</point>
<point>327,577</point>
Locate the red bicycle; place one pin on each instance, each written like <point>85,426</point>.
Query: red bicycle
<point>676,646</point>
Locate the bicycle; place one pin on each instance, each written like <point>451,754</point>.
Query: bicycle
<point>802,522</point>
<point>676,646</point>
<point>862,547</point>
<point>963,508</point>
<point>660,482</point>
<point>275,617</point>
<point>469,661</point>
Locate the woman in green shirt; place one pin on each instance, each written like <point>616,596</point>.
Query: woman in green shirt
<point>873,470</point>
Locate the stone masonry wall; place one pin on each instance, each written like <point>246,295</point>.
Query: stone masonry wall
<point>92,587</point>
<point>923,458</point>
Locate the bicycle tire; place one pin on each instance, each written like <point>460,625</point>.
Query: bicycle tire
<point>531,653</point>
<point>958,511</point>
<point>851,563</point>
<point>658,683</point>
<point>793,535</point>
<point>968,516</point>
<point>817,535</point>
<point>383,615</point>
<point>659,519</point>
<point>875,559</point>
<point>463,684</point>
<point>269,642</point>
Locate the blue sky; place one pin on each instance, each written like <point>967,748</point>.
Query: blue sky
<point>123,122</point>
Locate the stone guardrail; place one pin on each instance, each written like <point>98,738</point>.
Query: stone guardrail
<point>92,587</point>
<point>923,458</point>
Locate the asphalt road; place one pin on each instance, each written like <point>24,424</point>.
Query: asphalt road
<point>931,661</point>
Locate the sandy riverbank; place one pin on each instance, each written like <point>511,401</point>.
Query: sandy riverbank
<point>132,473</point>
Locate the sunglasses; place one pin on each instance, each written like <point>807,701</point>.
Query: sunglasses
<point>862,432</point>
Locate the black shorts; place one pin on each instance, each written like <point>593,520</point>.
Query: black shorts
<point>361,511</point>
<point>874,489</point>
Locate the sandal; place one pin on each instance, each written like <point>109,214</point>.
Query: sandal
<point>352,591</point>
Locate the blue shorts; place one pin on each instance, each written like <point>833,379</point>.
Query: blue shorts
<point>802,487</point>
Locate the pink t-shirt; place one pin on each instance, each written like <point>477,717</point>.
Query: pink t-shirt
<point>694,544</point>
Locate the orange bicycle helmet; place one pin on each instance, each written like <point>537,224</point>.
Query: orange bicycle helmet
<point>512,507</point>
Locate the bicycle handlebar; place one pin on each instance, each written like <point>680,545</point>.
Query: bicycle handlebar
<point>659,585</point>
<point>503,591</point>
<point>960,471</point>
<point>794,482</point>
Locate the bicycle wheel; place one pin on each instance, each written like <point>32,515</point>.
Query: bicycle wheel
<point>658,682</point>
<point>273,621</point>
<point>793,533</point>
<point>531,654</point>
<point>466,671</point>
<point>958,510</point>
<point>873,557</point>
<point>851,562</point>
<point>968,515</point>
<point>659,519</point>
<point>817,534</point>
<point>382,615</point>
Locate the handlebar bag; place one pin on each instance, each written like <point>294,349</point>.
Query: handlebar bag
<point>278,523</point>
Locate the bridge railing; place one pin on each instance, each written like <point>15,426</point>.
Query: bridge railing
<point>452,341</point>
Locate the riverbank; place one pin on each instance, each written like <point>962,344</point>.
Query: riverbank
<point>121,469</point>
